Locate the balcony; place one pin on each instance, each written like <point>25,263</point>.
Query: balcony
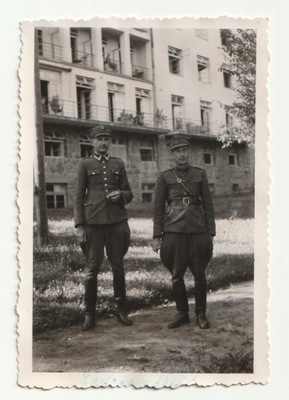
<point>111,65</point>
<point>194,127</point>
<point>140,72</point>
<point>84,111</point>
<point>83,59</point>
<point>50,51</point>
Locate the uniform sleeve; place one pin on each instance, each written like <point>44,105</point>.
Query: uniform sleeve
<point>159,206</point>
<point>81,185</point>
<point>207,205</point>
<point>124,187</point>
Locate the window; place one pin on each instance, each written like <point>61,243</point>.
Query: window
<point>115,99</point>
<point>206,107</point>
<point>119,147</point>
<point>229,117</point>
<point>202,33</point>
<point>44,96</point>
<point>227,79</point>
<point>177,112</point>
<point>146,154</point>
<point>232,159</point>
<point>40,42</point>
<point>85,146</point>
<point>148,192</point>
<point>225,36</point>
<point>53,144</point>
<point>84,86</point>
<point>142,98</point>
<point>203,69</point>
<point>235,187</point>
<point>55,195</point>
<point>147,150</point>
<point>208,158</point>
<point>174,60</point>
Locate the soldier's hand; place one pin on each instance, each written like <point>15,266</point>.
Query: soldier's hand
<point>156,244</point>
<point>81,234</point>
<point>114,196</point>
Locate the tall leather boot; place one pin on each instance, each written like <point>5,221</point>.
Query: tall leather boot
<point>201,304</point>
<point>90,297</point>
<point>121,313</point>
<point>181,299</point>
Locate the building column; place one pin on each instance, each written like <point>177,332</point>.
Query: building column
<point>96,40</point>
<point>65,43</point>
<point>125,53</point>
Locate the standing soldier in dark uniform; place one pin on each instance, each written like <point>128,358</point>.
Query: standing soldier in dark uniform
<point>184,227</point>
<point>101,221</point>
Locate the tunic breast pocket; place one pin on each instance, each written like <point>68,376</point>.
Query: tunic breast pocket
<point>116,175</point>
<point>195,186</point>
<point>94,176</point>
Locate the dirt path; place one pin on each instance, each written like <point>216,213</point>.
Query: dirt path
<point>148,346</point>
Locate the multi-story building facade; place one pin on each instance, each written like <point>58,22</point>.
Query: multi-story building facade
<point>142,83</point>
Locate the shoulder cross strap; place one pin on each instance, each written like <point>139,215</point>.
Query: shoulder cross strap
<point>180,182</point>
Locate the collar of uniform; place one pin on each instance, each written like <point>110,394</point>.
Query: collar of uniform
<point>182,169</point>
<point>100,157</point>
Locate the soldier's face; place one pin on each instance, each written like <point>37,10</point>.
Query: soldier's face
<point>181,155</point>
<point>101,144</point>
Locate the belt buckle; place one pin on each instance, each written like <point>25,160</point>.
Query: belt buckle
<point>186,201</point>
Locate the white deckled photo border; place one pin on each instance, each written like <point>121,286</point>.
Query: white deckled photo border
<point>26,376</point>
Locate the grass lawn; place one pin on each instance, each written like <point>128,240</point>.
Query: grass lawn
<point>58,274</point>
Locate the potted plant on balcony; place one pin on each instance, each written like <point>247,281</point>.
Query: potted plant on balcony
<point>159,118</point>
<point>55,104</point>
<point>126,118</point>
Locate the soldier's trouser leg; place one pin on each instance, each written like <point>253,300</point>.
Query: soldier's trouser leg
<point>94,258</point>
<point>174,255</point>
<point>200,253</point>
<point>117,238</point>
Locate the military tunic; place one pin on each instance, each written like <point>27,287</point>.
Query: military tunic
<point>170,211</point>
<point>97,177</point>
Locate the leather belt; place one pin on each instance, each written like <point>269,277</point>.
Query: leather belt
<point>185,201</point>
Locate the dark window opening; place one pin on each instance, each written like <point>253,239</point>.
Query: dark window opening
<point>53,149</point>
<point>146,154</point>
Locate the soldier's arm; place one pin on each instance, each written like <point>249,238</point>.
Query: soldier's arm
<point>207,205</point>
<point>159,206</point>
<point>126,195</point>
<point>81,185</point>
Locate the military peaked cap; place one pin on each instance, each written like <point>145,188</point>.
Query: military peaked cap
<point>98,131</point>
<point>178,140</point>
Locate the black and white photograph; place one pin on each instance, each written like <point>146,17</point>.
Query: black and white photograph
<point>143,198</point>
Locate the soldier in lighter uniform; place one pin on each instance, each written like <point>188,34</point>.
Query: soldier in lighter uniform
<point>184,227</point>
<point>102,193</point>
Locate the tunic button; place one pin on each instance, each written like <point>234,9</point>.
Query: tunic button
<point>105,184</point>
<point>104,166</point>
<point>104,172</point>
<point>105,179</point>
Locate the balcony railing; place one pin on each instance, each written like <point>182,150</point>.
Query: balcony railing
<point>140,72</point>
<point>50,51</point>
<point>84,59</point>
<point>85,111</point>
<point>194,127</point>
<point>110,65</point>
